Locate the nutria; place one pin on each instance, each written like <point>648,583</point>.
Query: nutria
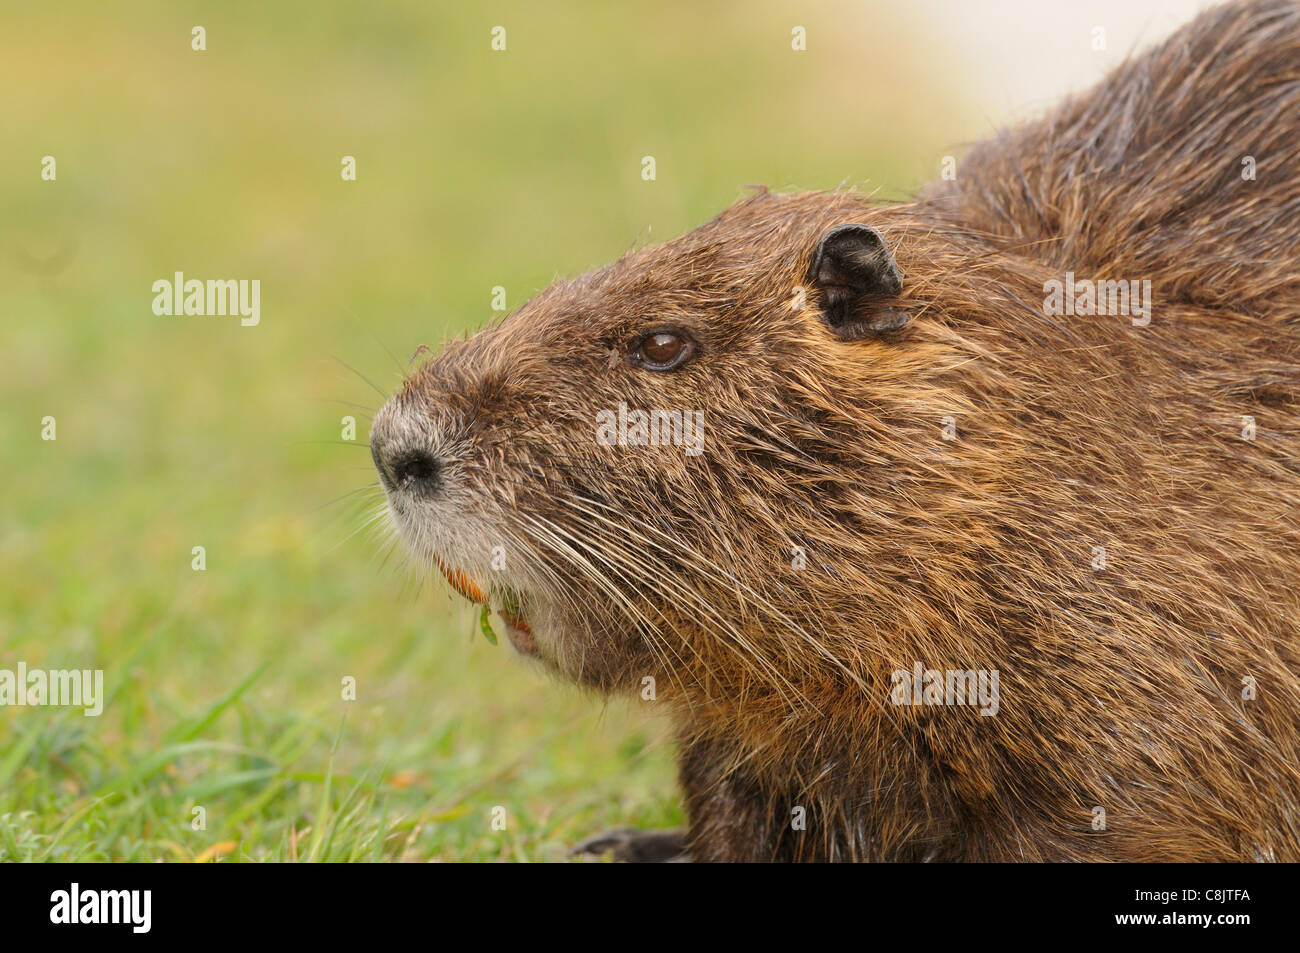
<point>916,456</point>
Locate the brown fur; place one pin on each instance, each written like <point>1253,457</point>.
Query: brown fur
<point>1120,688</point>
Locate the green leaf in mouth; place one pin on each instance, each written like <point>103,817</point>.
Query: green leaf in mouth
<point>485,623</point>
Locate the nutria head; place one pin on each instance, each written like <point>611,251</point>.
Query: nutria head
<point>616,545</point>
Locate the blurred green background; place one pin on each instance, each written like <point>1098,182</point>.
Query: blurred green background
<point>475,168</point>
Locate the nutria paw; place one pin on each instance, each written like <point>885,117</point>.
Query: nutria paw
<point>632,846</point>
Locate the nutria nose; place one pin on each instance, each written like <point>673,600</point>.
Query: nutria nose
<point>409,470</point>
<point>416,470</point>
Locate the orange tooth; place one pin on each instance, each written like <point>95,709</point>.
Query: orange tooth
<point>463,584</point>
<point>516,620</point>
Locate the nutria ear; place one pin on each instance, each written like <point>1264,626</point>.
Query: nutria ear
<point>852,265</point>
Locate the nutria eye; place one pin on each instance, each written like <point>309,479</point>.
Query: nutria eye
<point>663,350</point>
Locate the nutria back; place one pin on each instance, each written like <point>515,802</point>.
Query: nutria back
<point>975,535</point>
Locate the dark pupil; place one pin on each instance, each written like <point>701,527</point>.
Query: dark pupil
<point>662,348</point>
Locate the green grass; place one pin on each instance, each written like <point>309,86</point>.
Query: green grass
<point>475,169</point>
